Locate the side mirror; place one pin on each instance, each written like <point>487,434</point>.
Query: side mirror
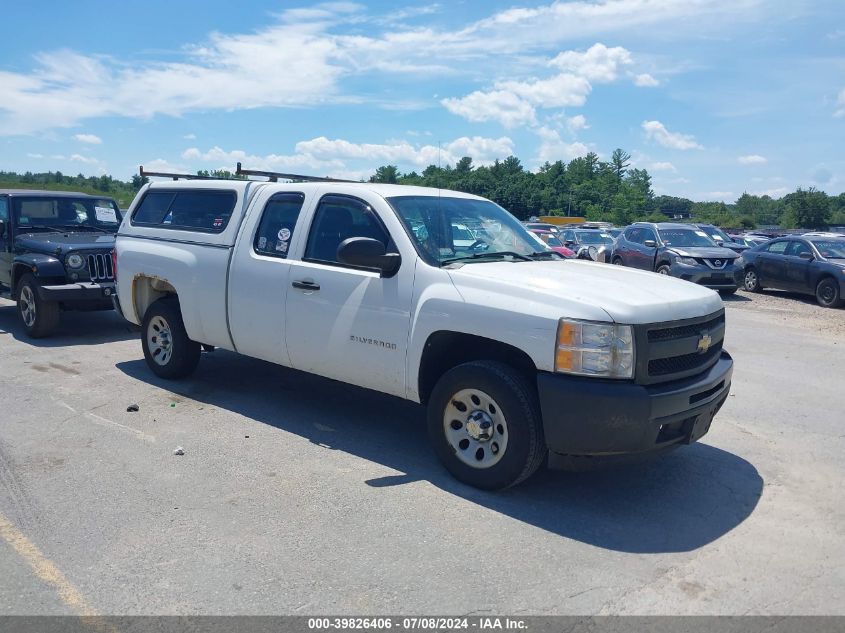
<point>808,256</point>
<point>368,253</point>
<point>569,243</point>
<point>650,244</point>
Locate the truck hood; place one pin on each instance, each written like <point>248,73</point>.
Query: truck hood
<point>625,295</point>
<point>64,243</point>
<point>710,252</point>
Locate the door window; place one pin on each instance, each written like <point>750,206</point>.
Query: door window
<point>205,211</point>
<point>4,208</point>
<point>337,219</point>
<point>635,236</point>
<point>278,221</point>
<point>649,234</point>
<point>796,248</point>
<point>777,248</point>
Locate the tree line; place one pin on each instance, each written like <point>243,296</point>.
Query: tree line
<point>588,187</point>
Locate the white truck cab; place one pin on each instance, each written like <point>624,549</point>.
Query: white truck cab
<point>518,354</point>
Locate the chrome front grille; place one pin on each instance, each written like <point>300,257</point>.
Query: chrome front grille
<point>100,267</point>
<point>678,349</point>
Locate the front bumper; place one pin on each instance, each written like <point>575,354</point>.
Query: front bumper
<point>81,292</point>
<point>729,278</point>
<point>591,416</point>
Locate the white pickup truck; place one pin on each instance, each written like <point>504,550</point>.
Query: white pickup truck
<point>519,355</point>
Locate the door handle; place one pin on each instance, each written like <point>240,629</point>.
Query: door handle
<point>306,285</point>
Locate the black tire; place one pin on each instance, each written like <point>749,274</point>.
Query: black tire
<point>39,318</point>
<point>516,417</point>
<point>617,261</point>
<point>827,293</point>
<point>173,355</point>
<point>727,292</point>
<point>751,280</point>
<point>664,269</point>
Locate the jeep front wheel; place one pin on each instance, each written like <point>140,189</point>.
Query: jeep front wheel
<point>39,317</point>
<point>484,421</point>
<point>167,349</point>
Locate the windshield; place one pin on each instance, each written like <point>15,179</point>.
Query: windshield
<point>685,237</point>
<point>830,249</point>
<point>717,234</point>
<point>437,225</point>
<point>548,238</point>
<point>65,213</point>
<point>593,237</point>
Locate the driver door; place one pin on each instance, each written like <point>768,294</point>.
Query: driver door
<point>342,322</point>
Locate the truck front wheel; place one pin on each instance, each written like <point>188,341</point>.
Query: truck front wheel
<point>167,349</point>
<point>484,421</point>
<point>39,317</point>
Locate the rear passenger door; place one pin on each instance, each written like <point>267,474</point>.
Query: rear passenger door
<point>348,323</point>
<point>797,268</point>
<point>259,276</point>
<point>772,265</point>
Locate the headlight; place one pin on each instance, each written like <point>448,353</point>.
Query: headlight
<point>688,261</point>
<point>584,348</point>
<point>75,261</point>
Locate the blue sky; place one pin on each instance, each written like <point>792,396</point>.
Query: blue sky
<point>713,97</point>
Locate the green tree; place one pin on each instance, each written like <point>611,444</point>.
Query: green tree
<point>387,174</point>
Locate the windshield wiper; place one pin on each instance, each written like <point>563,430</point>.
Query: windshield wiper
<point>478,256</point>
<point>77,227</point>
<point>546,255</point>
<point>26,228</point>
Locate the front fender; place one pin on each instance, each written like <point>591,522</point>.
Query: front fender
<point>39,264</point>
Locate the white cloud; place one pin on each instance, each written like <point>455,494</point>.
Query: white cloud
<point>324,156</point>
<point>499,105</point>
<point>662,166</point>
<point>840,102</point>
<point>189,137</point>
<point>315,51</point>
<point>576,123</point>
<point>644,80</point>
<point>657,132</point>
<point>553,148</point>
<point>724,196</point>
<point>79,158</point>
<point>598,63</point>
<point>91,139</point>
<point>35,155</point>
<point>752,159</point>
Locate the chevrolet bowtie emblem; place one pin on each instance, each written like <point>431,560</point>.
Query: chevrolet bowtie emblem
<point>704,343</point>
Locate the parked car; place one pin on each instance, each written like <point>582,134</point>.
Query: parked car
<point>55,254</point>
<point>586,242</point>
<point>679,250</point>
<point>519,356</point>
<point>551,240</point>
<point>721,238</point>
<point>545,226</point>
<point>812,265</point>
<point>751,240</point>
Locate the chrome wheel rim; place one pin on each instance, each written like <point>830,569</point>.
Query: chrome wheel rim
<point>663,271</point>
<point>750,280</point>
<point>160,340</point>
<point>27,306</point>
<point>475,428</point>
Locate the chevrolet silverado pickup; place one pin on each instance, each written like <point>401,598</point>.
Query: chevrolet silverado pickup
<point>521,357</point>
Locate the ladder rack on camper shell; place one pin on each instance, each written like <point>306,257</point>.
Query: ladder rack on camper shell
<point>273,176</point>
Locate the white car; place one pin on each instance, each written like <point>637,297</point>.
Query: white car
<point>518,354</point>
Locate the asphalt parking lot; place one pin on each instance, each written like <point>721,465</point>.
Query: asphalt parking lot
<point>297,495</point>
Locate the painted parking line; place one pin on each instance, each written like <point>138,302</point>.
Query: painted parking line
<point>44,568</point>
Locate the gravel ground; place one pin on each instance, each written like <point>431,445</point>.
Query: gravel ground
<point>793,310</point>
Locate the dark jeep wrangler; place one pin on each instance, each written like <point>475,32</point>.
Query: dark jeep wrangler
<point>56,254</point>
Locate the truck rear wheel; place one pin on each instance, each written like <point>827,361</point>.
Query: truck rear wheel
<point>167,349</point>
<point>484,421</point>
<point>39,317</point>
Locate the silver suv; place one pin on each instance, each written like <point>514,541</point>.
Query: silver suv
<point>679,250</point>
